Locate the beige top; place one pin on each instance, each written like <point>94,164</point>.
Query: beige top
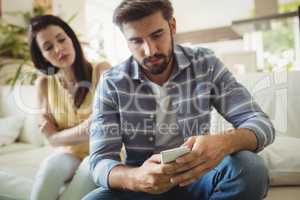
<point>66,115</point>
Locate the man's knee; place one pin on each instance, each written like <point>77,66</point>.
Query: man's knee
<point>252,166</point>
<point>249,171</point>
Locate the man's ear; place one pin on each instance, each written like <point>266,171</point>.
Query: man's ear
<point>172,23</point>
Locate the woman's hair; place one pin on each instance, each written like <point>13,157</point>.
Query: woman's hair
<point>81,67</point>
<point>131,10</point>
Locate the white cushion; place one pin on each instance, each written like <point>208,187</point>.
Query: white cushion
<point>15,147</point>
<point>278,95</point>
<point>24,163</point>
<point>31,133</point>
<point>15,187</point>
<point>10,128</point>
<point>293,109</point>
<point>22,101</point>
<point>18,168</point>
<point>282,159</point>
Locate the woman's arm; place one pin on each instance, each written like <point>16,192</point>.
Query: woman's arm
<point>70,136</point>
<point>48,126</point>
<point>46,121</point>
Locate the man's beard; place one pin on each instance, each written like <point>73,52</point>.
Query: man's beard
<point>157,69</point>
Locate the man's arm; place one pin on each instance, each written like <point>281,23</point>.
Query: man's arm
<point>239,139</point>
<point>105,146</point>
<point>105,136</point>
<point>252,129</point>
<point>121,177</point>
<point>148,178</point>
<point>207,151</point>
<point>236,105</point>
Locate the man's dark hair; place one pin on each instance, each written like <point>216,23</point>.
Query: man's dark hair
<point>132,10</point>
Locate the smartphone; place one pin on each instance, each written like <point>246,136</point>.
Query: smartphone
<point>170,155</point>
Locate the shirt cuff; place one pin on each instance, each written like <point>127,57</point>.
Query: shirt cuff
<point>102,170</point>
<point>259,135</point>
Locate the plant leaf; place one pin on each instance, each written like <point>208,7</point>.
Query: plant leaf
<point>17,74</point>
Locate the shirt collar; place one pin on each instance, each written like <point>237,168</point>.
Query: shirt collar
<point>136,73</point>
<point>181,57</point>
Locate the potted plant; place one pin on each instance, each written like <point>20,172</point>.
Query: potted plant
<point>15,64</point>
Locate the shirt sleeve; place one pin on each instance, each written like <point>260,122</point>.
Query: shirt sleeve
<point>236,105</point>
<point>105,136</point>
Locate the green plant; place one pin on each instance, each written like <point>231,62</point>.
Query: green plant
<point>14,48</point>
<point>12,43</point>
<point>279,41</point>
<point>289,7</point>
<point>282,8</point>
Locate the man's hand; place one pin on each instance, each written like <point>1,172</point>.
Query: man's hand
<point>150,178</point>
<point>206,153</point>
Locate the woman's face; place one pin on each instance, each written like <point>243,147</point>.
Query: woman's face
<point>56,46</point>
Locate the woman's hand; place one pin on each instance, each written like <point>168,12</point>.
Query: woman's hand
<point>48,127</point>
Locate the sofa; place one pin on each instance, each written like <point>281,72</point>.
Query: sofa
<point>277,93</point>
<point>20,159</point>
<point>23,147</point>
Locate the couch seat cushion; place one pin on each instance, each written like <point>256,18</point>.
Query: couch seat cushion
<point>23,163</point>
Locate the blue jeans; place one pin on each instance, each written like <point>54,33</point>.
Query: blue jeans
<point>241,176</point>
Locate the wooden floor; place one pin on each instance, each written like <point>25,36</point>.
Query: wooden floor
<point>284,193</point>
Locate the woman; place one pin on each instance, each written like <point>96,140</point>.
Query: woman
<point>65,95</point>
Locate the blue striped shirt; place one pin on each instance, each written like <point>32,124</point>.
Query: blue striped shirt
<point>124,110</point>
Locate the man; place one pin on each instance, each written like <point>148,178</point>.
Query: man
<point>161,98</point>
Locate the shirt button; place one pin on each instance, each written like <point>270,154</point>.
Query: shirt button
<point>151,138</point>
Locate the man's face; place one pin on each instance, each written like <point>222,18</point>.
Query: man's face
<point>150,41</point>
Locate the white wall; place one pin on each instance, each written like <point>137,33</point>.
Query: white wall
<point>99,20</point>
<point>67,8</point>
<point>201,14</point>
<point>15,5</point>
<point>63,8</point>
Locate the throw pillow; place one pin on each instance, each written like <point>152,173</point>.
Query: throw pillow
<point>282,159</point>
<point>10,128</point>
